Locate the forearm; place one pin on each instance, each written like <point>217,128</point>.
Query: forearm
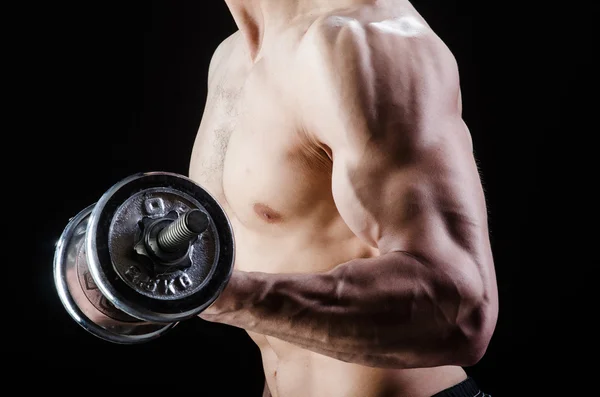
<point>389,311</point>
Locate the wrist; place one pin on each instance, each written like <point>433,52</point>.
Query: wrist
<point>239,294</point>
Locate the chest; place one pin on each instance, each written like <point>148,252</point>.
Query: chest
<point>251,153</point>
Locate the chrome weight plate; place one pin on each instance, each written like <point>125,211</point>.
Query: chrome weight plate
<point>83,299</point>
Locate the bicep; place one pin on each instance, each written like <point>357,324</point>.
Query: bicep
<point>425,200</point>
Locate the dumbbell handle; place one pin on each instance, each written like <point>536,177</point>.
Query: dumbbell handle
<point>182,230</point>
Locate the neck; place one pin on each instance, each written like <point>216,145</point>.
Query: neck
<point>254,17</point>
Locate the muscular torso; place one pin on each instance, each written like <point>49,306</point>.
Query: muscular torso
<point>274,182</point>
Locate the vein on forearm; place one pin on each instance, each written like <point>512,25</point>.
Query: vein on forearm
<point>389,305</point>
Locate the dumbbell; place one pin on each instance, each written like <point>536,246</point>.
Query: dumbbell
<point>154,250</point>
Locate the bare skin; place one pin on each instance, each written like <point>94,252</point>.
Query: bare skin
<point>333,138</point>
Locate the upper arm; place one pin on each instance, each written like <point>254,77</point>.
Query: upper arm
<point>404,178</point>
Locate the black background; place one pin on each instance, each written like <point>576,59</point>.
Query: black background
<point>115,89</point>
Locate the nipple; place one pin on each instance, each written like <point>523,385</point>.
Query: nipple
<point>266,213</point>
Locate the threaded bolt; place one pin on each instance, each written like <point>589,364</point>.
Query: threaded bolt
<point>182,231</point>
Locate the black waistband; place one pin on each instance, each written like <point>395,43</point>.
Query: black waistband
<point>466,388</point>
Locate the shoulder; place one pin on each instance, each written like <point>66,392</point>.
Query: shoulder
<point>376,68</point>
<point>377,40</point>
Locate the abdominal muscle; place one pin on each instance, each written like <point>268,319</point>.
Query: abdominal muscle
<point>294,372</point>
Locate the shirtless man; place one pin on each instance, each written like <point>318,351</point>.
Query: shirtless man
<point>333,138</point>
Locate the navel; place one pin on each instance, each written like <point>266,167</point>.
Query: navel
<point>266,213</point>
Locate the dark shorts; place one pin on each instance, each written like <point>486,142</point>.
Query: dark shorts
<point>466,388</point>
